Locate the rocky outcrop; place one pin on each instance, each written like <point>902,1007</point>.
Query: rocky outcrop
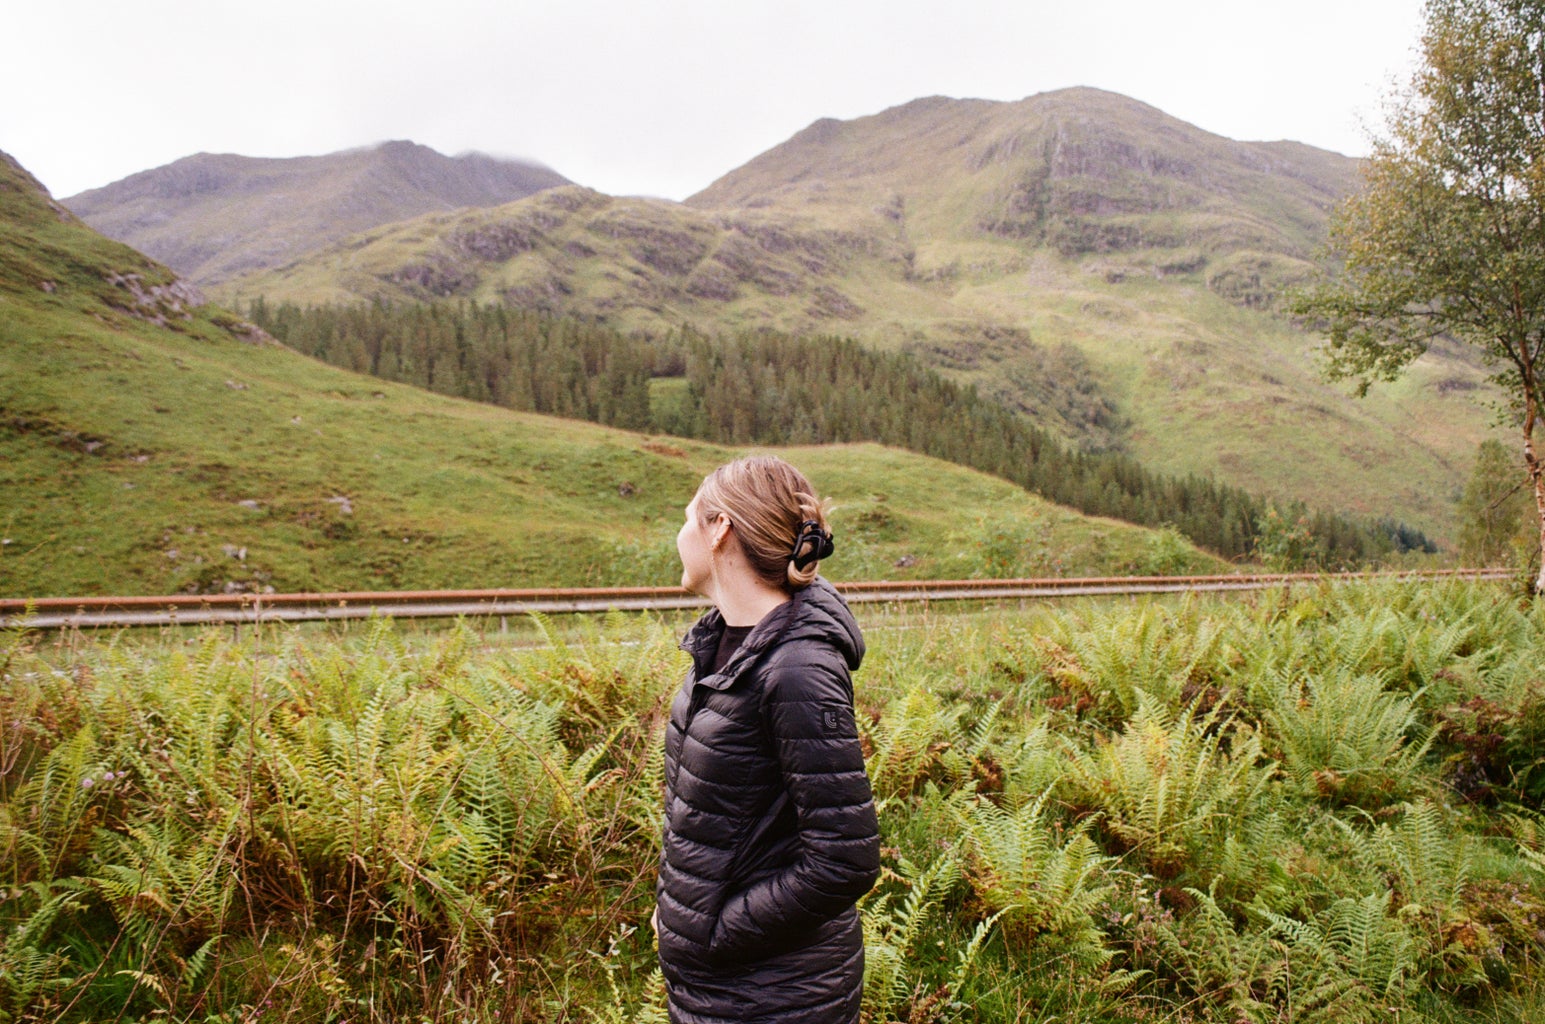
<point>156,303</point>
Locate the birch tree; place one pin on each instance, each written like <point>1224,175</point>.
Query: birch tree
<point>1447,236</point>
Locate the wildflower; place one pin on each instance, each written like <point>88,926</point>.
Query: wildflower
<point>87,782</point>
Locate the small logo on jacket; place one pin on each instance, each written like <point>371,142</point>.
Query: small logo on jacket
<point>832,719</point>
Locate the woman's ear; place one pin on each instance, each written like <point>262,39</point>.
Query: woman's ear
<point>721,530</point>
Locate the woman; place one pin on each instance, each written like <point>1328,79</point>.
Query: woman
<point>770,829</point>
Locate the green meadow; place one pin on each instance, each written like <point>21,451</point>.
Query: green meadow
<point>143,460</point>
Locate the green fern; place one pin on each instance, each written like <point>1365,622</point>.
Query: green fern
<point>892,929</point>
<point>1231,968</point>
<point>161,880</point>
<point>1431,648</point>
<point>649,1008</point>
<point>1250,863</point>
<point>1045,887</point>
<point>1170,785</point>
<point>1362,642</point>
<point>1033,764</point>
<point>1349,962</point>
<point>428,825</point>
<point>31,965</point>
<point>26,975</point>
<point>1425,861</point>
<point>621,669</point>
<point>1346,739</point>
<point>901,976</point>
<point>1527,829</point>
<point>22,740</point>
<point>918,740</point>
<point>60,818</point>
<point>1112,661</point>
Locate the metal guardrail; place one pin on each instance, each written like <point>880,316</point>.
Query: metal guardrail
<point>203,609</point>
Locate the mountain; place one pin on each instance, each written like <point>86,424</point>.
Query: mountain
<point>214,216</point>
<point>154,443</point>
<point>1081,171</point>
<point>638,263</point>
<point>927,193</point>
<point>1112,272</point>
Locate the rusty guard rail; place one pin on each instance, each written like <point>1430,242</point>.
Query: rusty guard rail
<point>201,609</point>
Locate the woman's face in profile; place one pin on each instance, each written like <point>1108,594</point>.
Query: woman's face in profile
<point>693,545</point>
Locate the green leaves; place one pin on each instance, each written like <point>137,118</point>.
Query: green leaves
<point>1447,237</point>
<point>1172,785</point>
<point>1045,887</point>
<point>1235,810</point>
<point>1346,739</point>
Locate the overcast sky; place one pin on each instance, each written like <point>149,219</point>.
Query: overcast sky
<point>652,98</point>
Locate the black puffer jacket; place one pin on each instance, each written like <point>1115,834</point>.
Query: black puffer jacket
<point>770,829</point>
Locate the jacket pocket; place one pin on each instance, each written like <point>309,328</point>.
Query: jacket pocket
<point>763,849</point>
<point>759,854</point>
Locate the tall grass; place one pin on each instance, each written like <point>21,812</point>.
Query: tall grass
<point>1305,807</point>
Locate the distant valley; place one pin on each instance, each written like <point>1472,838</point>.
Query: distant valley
<point>151,444</point>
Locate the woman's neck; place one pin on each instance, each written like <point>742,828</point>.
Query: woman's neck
<point>748,603</point>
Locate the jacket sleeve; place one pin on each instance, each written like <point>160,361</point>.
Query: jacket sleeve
<point>808,707</point>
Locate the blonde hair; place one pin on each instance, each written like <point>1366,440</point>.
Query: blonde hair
<point>767,501</point>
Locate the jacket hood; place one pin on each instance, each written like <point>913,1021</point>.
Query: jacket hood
<point>814,613</point>
<point>818,612</point>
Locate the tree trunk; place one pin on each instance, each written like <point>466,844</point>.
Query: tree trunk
<point>1537,478</point>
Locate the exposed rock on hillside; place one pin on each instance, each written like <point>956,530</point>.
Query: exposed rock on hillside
<point>157,302</point>
<point>47,251</point>
<point>573,250</point>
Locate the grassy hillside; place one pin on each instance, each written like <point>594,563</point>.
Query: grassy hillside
<point>212,216</point>
<point>1108,270</point>
<point>1081,170</point>
<point>150,447</point>
<point>639,263</point>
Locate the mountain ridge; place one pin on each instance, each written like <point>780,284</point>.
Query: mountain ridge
<point>938,174</point>
<point>1000,154</point>
<point>210,216</point>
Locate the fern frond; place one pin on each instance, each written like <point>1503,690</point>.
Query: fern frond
<point>1043,887</point>
<point>1345,738</point>
<point>892,932</point>
<point>1169,784</point>
<point>915,742</point>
